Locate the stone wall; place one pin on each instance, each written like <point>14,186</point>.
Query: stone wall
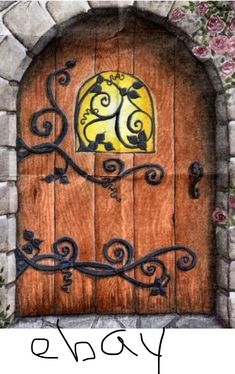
<point>25,30</point>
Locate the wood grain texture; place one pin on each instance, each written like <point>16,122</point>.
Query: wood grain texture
<point>148,216</point>
<point>35,291</point>
<point>194,140</point>
<point>154,205</point>
<point>74,202</point>
<point>113,219</point>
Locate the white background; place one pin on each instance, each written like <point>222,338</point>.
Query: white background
<point>190,351</point>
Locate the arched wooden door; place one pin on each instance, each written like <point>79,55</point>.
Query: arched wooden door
<point>118,221</point>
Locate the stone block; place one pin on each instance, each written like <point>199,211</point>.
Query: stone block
<point>7,233</point>
<point>8,95</point>
<point>27,323</point>
<point>197,321</point>
<point>8,264</point>
<point>7,129</point>
<point>222,177</point>
<point>71,322</point>
<point>232,172</point>
<point>230,101</point>
<point>110,4</point>
<point>214,76</point>
<point>3,233</point>
<point>106,322</point>
<point>31,24</point>
<point>222,273</point>
<point>156,322</point>
<point>222,307</point>
<point>231,307</point>
<point>232,276</point>
<point>222,200</point>
<point>160,8</point>
<point>8,198</point>
<point>7,298</point>
<point>63,11</point>
<point>8,164</point>
<point>232,138</point>
<point>5,4</point>
<point>222,241</point>
<point>13,59</point>
<point>221,109</point>
<point>11,232</point>
<point>231,242</point>
<point>128,321</point>
<point>222,143</point>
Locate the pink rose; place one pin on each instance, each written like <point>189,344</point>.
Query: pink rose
<point>215,24</point>
<point>202,8</point>
<point>202,51</point>
<point>219,217</point>
<point>232,25</point>
<point>177,14</point>
<point>219,44</point>
<point>228,67</point>
<point>231,46</point>
<point>232,202</point>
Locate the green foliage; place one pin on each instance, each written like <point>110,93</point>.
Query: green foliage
<point>4,317</point>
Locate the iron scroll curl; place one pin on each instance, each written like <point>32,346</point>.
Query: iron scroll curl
<point>119,256</point>
<point>153,172</point>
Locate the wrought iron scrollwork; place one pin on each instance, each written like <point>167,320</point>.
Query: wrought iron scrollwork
<point>118,254</point>
<point>154,172</point>
<point>114,111</point>
<point>196,172</point>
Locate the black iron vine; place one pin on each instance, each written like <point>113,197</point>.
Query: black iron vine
<point>196,173</point>
<point>154,172</point>
<point>118,253</point>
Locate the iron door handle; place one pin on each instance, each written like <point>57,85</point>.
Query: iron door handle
<point>195,172</point>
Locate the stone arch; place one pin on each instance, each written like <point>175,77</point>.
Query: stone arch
<point>26,28</point>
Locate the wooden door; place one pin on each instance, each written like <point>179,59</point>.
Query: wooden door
<point>102,226</point>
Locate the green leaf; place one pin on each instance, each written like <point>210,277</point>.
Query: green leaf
<point>133,94</point>
<point>99,79</point>
<point>123,91</point>
<point>109,146</point>
<point>64,179</point>
<point>142,145</point>
<point>36,243</point>
<point>132,139</point>
<point>142,136</point>
<point>28,235</point>
<point>100,138</point>
<point>92,146</point>
<point>28,248</point>
<point>49,178</point>
<point>96,89</point>
<point>137,85</point>
<point>59,171</point>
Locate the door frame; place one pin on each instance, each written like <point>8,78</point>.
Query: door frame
<point>24,46</point>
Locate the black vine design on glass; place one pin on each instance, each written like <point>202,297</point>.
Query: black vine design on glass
<point>107,99</point>
<point>153,172</point>
<point>119,256</point>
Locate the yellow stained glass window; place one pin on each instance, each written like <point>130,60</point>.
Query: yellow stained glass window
<point>114,113</point>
